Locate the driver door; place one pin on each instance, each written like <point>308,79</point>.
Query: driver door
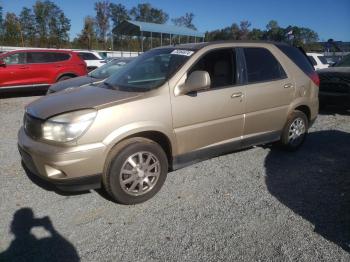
<point>15,72</point>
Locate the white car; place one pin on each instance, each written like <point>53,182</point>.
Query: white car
<point>93,59</point>
<point>318,60</point>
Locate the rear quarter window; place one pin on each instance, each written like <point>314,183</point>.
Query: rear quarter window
<point>297,57</point>
<point>262,66</point>
<point>88,56</point>
<point>59,57</point>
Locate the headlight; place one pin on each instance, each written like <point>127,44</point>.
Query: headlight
<point>66,127</point>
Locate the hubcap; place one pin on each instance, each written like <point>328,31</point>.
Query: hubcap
<point>296,131</point>
<point>139,173</point>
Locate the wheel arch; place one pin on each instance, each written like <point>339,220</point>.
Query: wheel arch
<point>305,109</point>
<point>70,74</point>
<point>157,136</point>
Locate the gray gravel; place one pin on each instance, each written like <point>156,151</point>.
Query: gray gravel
<point>255,205</point>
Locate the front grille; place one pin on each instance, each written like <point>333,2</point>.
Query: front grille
<point>335,83</point>
<point>32,126</point>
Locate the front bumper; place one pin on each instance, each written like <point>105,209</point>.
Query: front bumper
<point>74,168</point>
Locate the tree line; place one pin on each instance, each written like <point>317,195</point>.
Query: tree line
<point>46,25</point>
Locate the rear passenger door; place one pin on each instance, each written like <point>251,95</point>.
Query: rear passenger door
<point>213,116</point>
<point>269,91</point>
<point>41,69</point>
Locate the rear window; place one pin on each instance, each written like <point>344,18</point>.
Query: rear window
<point>88,56</point>
<point>46,57</point>
<point>262,65</point>
<point>297,57</point>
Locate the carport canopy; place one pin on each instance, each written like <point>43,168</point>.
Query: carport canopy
<point>145,29</point>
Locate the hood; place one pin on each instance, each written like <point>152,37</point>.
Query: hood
<point>75,99</point>
<point>73,82</point>
<point>334,69</point>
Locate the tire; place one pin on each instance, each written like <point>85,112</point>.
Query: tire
<point>294,131</point>
<point>62,78</point>
<point>141,180</point>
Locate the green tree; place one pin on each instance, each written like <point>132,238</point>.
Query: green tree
<point>41,12</point>
<point>147,13</point>
<point>27,22</point>
<point>12,34</point>
<point>185,21</point>
<point>52,25</point>
<point>102,9</point>
<point>118,14</point>
<point>244,29</point>
<point>256,34</point>
<point>1,24</point>
<point>303,36</point>
<point>274,31</point>
<point>87,37</point>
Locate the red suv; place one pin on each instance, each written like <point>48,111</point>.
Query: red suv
<point>38,69</point>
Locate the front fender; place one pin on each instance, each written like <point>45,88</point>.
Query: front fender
<point>134,128</point>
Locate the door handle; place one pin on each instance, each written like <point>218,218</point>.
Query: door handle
<point>24,67</point>
<point>289,85</point>
<point>237,95</point>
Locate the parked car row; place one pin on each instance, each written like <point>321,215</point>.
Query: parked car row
<point>39,69</point>
<point>23,69</point>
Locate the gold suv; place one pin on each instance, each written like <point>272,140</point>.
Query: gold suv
<point>170,107</point>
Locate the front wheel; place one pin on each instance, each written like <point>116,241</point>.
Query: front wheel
<point>295,131</point>
<point>135,171</point>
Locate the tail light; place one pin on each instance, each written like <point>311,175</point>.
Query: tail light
<point>315,78</point>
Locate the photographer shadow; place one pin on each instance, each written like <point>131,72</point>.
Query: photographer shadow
<point>27,247</point>
<point>314,182</point>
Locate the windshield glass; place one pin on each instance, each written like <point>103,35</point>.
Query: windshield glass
<point>344,62</point>
<point>150,70</point>
<point>323,60</point>
<point>108,69</point>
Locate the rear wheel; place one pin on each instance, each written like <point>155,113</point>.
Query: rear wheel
<point>295,131</point>
<point>135,171</point>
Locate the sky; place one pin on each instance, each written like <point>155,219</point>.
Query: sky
<point>329,18</point>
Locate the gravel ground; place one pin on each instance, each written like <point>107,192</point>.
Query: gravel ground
<point>255,205</point>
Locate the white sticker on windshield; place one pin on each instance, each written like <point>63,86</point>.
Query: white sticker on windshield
<point>182,52</point>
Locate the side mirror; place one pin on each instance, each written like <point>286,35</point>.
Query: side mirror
<point>197,80</point>
<point>2,63</point>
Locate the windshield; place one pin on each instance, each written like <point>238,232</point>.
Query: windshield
<point>323,60</point>
<point>344,62</point>
<point>108,69</point>
<point>150,70</point>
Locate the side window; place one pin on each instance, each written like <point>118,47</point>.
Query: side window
<point>220,64</point>
<point>59,57</point>
<point>38,57</point>
<point>313,61</point>
<point>262,65</point>
<point>15,59</point>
